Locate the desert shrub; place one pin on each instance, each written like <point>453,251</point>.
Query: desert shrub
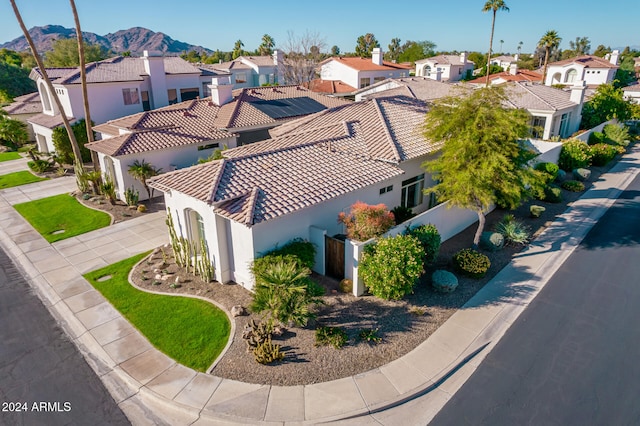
<point>536,211</point>
<point>617,134</point>
<point>596,138</point>
<point>331,336</point>
<point>444,281</point>
<point>108,189</point>
<point>550,193</point>
<point>514,231</point>
<point>365,222</point>
<point>268,352</point>
<point>549,168</point>
<point>131,196</point>
<point>39,166</point>
<point>573,185</point>
<point>574,154</point>
<point>402,214</point>
<point>602,153</point>
<point>391,267</point>
<point>471,263</point>
<point>492,241</point>
<point>581,174</point>
<point>284,290</point>
<point>370,335</point>
<point>430,240</point>
<point>301,249</point>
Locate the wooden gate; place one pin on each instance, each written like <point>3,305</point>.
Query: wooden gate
<point>334,257</point>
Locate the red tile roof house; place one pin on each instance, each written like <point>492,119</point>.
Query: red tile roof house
<point>295,184</point>
<point>177,136</point>
<point>514,74</point>
<point>117,87</point>
<point>591,69</point>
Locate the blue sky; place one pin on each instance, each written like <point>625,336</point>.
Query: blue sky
<point>452,25</point>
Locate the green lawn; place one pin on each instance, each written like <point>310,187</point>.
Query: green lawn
<point>61,212</point>
<point>8,156</point>
<point>18,178</point>
<point>191,331</point>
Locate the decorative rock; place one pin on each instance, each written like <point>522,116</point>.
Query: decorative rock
<point>157,270</point>
<point>156,250</point>
<point>158,276</point>
<point>492,241</point>
<point>133,207</point>
<point>238,311</point>
<point>444,281</point>
<point>142,208</point>
<point>165,277</point>
<point>582,174</point>
<point>178,280</point>
<point>562,176</point>
<point>346,285</point>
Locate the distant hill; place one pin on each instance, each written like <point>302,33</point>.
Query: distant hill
<point>135,39</point>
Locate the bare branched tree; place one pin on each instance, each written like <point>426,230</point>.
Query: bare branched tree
<point>302,54</point>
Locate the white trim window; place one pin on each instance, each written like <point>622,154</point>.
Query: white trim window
<point>411,195</point>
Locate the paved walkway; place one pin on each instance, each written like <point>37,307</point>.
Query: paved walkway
<point>153,389</point>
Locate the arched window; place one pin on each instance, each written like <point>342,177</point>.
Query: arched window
<point>195,225</point>
<point>427,71</point>
<point>45,97</point>
<point>571,75</point>
<point>556,79</point>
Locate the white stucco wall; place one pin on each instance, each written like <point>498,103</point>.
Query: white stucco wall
<point>44,138</point>
<point>592,76</point>
<point>334,70</point>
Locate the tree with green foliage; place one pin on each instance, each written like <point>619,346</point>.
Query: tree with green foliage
<point>237,49</point>
<point>482,161</point>
<point>626,73</point>
<point>550,40</point>
<point>494,6</point>
<point>365,45</point>
<point>413,51</point>
<point>335,51</point>
<point>62,144</point>
<point>267,45</point>
<point>13,133</point>
<point>607,103</point>
<point>14,78</point>
<point>394,50</point>
<point>581,46</point>
<point>601,51</point>
<point>141,171</point>
<point>65,53</point>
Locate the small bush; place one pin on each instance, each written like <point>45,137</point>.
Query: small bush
<point>536,211</point>
<point>370,335</point>
<point>301,249</point>
<point>602,154</point>
<point>581,174</point>
<point>39,166</point>
<point>551,169</point>
<point>573,186</point>
<point>491,241</point>
<point>514,231</point>
<point>402,214</point>
<point>142,208</point>
<point>471,263</point>
<point>365,222</point>
<point>346,285</point>
<point>331,336</point>
<point>430,240</point>
<point>131,196</point>
<point>596,138</point>
<point>550,193</point>
<point>267,353</point>
<point>391,267</point>
<point>574,154</point>
<point>617,134</point>
<point>444,281</point>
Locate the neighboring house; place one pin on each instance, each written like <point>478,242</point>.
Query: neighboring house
<point>591,69</point>
<point>416,87</point>
<point>116,87</point>
<point>505,61</point>
<point>23,108</point>
<point>555,112</point>
<point>296,184</point>
<point>177,136</point>
<point>514,74</point>
<point>251,71</point>
<point>632,92</point>
<point>361,72</point>
<point>445,67</point>
<point>330,87</point>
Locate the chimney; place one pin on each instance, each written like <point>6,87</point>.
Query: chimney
<point>221,89</point>
<point>376,56</point>
<point>577,92</point>
<point>517,57</point>
<point>614,57</point>
<point>438,74</point>
<point>154,67</point>
<point>278,56</point>
<point>463,58</point>
<point>513,69</point>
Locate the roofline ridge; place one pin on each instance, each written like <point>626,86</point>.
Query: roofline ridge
<point>385,126</point>
<point>216,181</point>
<point>253,200</point>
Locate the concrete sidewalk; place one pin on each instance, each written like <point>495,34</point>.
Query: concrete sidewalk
<point>153,389</point>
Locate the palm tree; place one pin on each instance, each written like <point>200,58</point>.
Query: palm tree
<point>494,6</point>
<point>77,163</point>
<point>520,46</point>
<point>83,81</point>
<point>501,43</point>
<point>141,171</point>
<point>550,40</point>
<point>237,49</point>
<point>268,43</point>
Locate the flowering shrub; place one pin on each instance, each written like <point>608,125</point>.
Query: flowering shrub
<point>471,263</point>
<point>365,222</point>
<point>574,154</point>
<point>392,266</point>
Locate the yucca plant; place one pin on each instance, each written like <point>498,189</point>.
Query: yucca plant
<point>514,231</point>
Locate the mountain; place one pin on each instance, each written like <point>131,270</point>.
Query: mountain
<point>135,40</point>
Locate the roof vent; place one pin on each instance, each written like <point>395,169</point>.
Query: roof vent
<point>209,103</point>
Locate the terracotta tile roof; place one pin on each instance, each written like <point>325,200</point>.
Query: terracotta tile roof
<point>521,75</point>
<point>107,129</point>
<point>163,128</point>
<point>587,61</point>
<point>326,155</point>
<point>537,97</point>
<point>25,104</point>
<point>329,86</point>
<point>48,121</point>
<point>365,64</point>
<point>422,88</point>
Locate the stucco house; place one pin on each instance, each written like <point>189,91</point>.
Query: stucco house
<point>505,61</point>
<point>591,69</point>
<point>362,72</point>
<point>179,135</point>
<point>445,67</point>
<point>632,92</point>
<point>23,108</point>
<point>251,71</point>
<point>295,184</point>
<point>514,74</point>
<point>422,88</point>
<point>116,87</point>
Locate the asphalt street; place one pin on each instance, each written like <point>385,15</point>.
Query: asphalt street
<point>572,358</point>
<point>43,378</point>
